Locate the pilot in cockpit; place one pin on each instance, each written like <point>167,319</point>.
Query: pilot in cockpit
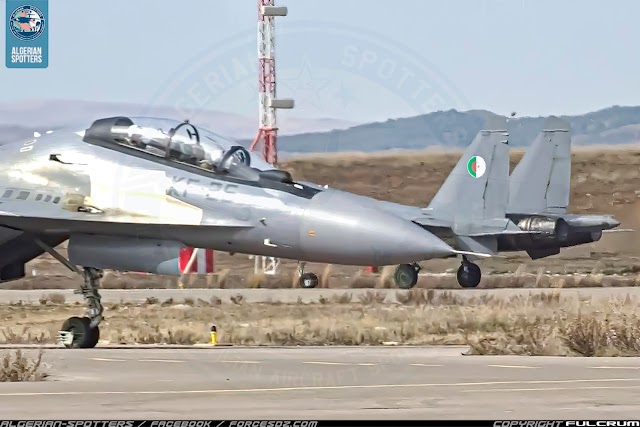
<point>206,164</point>
<point>213,156</point>
<point>212,159</point>
<point>144,138</point>
<point>179,147</point>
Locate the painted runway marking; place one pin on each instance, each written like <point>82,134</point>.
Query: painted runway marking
<point>161,360</point>
<point>327,363</point>
<point>595,387</point>
<point>342,363</point>
<point>320,388</point>
<point>615,367</point>
<point>100,359</point>
<point>240,361</point>
<point>425,365</point>
<point>513,366</point>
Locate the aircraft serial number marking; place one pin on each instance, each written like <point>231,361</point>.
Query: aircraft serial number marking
<point>180,187</point>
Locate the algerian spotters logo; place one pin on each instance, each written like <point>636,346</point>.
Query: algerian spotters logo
<point>476,166</point>
<point>27,22</point>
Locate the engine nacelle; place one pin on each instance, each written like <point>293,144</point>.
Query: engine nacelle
<point>559,230</point>
<point>125,254</point>
<point>540,224</point>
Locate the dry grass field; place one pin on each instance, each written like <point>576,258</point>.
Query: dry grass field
<point>604,181</point>
<point>545,324</point>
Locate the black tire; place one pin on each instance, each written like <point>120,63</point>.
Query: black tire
<point>406,276</point>
<point>84,336</point>
<point>469,275</point>
<point>308,281</point>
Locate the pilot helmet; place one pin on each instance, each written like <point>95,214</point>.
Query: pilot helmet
<point>214,154</point>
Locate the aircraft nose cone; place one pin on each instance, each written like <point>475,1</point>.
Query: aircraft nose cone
<point>338,228</point>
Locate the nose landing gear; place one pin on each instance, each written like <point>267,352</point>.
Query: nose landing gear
<point>80,332</point>
<point>77,333</point>
<point>83,332</point>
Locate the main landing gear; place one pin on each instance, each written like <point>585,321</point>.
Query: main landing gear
<point>83,332</point>
<point>406,275</point>
<point>306,280</point>
<point>468,274</point>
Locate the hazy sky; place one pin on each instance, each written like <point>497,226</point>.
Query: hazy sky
<point>347,59</point>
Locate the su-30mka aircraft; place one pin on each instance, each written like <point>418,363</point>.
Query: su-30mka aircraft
<point>129,193</point>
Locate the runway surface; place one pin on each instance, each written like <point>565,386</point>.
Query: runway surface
<point>304,295</point>
<point>324,382</point>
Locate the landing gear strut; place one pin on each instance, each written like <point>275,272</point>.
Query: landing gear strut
<point>83,332</point>
<point>469,274</point>
<point>306,280</point>
<point>406,275</point>
<point>80,332</point>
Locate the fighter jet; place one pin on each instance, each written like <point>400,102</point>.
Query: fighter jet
<point>480,208</point>
<point>539,190</point>
<point>128,194</point>
<point>538,198</point>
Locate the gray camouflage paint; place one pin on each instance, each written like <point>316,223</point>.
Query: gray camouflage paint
<point>242,213</point>
<point>225,213</point>
<point>481,214</point>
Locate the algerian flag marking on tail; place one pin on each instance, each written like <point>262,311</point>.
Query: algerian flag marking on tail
<point>476,166</point>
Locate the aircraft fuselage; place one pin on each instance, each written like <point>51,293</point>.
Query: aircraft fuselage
<point>60,184</point>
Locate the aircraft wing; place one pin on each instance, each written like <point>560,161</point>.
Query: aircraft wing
<point>23,231</point>
<point>51,219</point>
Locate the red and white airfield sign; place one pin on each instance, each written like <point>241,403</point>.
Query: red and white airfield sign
<point>194,260</point>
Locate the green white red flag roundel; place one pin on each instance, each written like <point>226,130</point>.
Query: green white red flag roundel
<point>476,166</point>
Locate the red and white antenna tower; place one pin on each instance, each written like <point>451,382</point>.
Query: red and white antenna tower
<point>267,100</point>
<point>268,103</point>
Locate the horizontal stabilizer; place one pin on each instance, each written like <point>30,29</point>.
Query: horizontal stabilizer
<point>620,230</point>
<point>543,253</point>
<point>603,222</point>
<point>503,233</point>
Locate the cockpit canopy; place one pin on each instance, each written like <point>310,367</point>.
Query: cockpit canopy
<point>184,144</point>
<point>182,140</point>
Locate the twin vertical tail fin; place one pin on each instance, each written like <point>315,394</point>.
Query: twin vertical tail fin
<point>541,181</point>
<point>476,191</point>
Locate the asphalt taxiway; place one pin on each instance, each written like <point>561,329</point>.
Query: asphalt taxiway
<point>322,383</point>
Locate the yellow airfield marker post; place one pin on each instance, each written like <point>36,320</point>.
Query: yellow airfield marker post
<point>213,336</point>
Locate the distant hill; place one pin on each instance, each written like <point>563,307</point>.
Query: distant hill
<point>451,129</point>
<point>18,120</point>
<point>614,125</point>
